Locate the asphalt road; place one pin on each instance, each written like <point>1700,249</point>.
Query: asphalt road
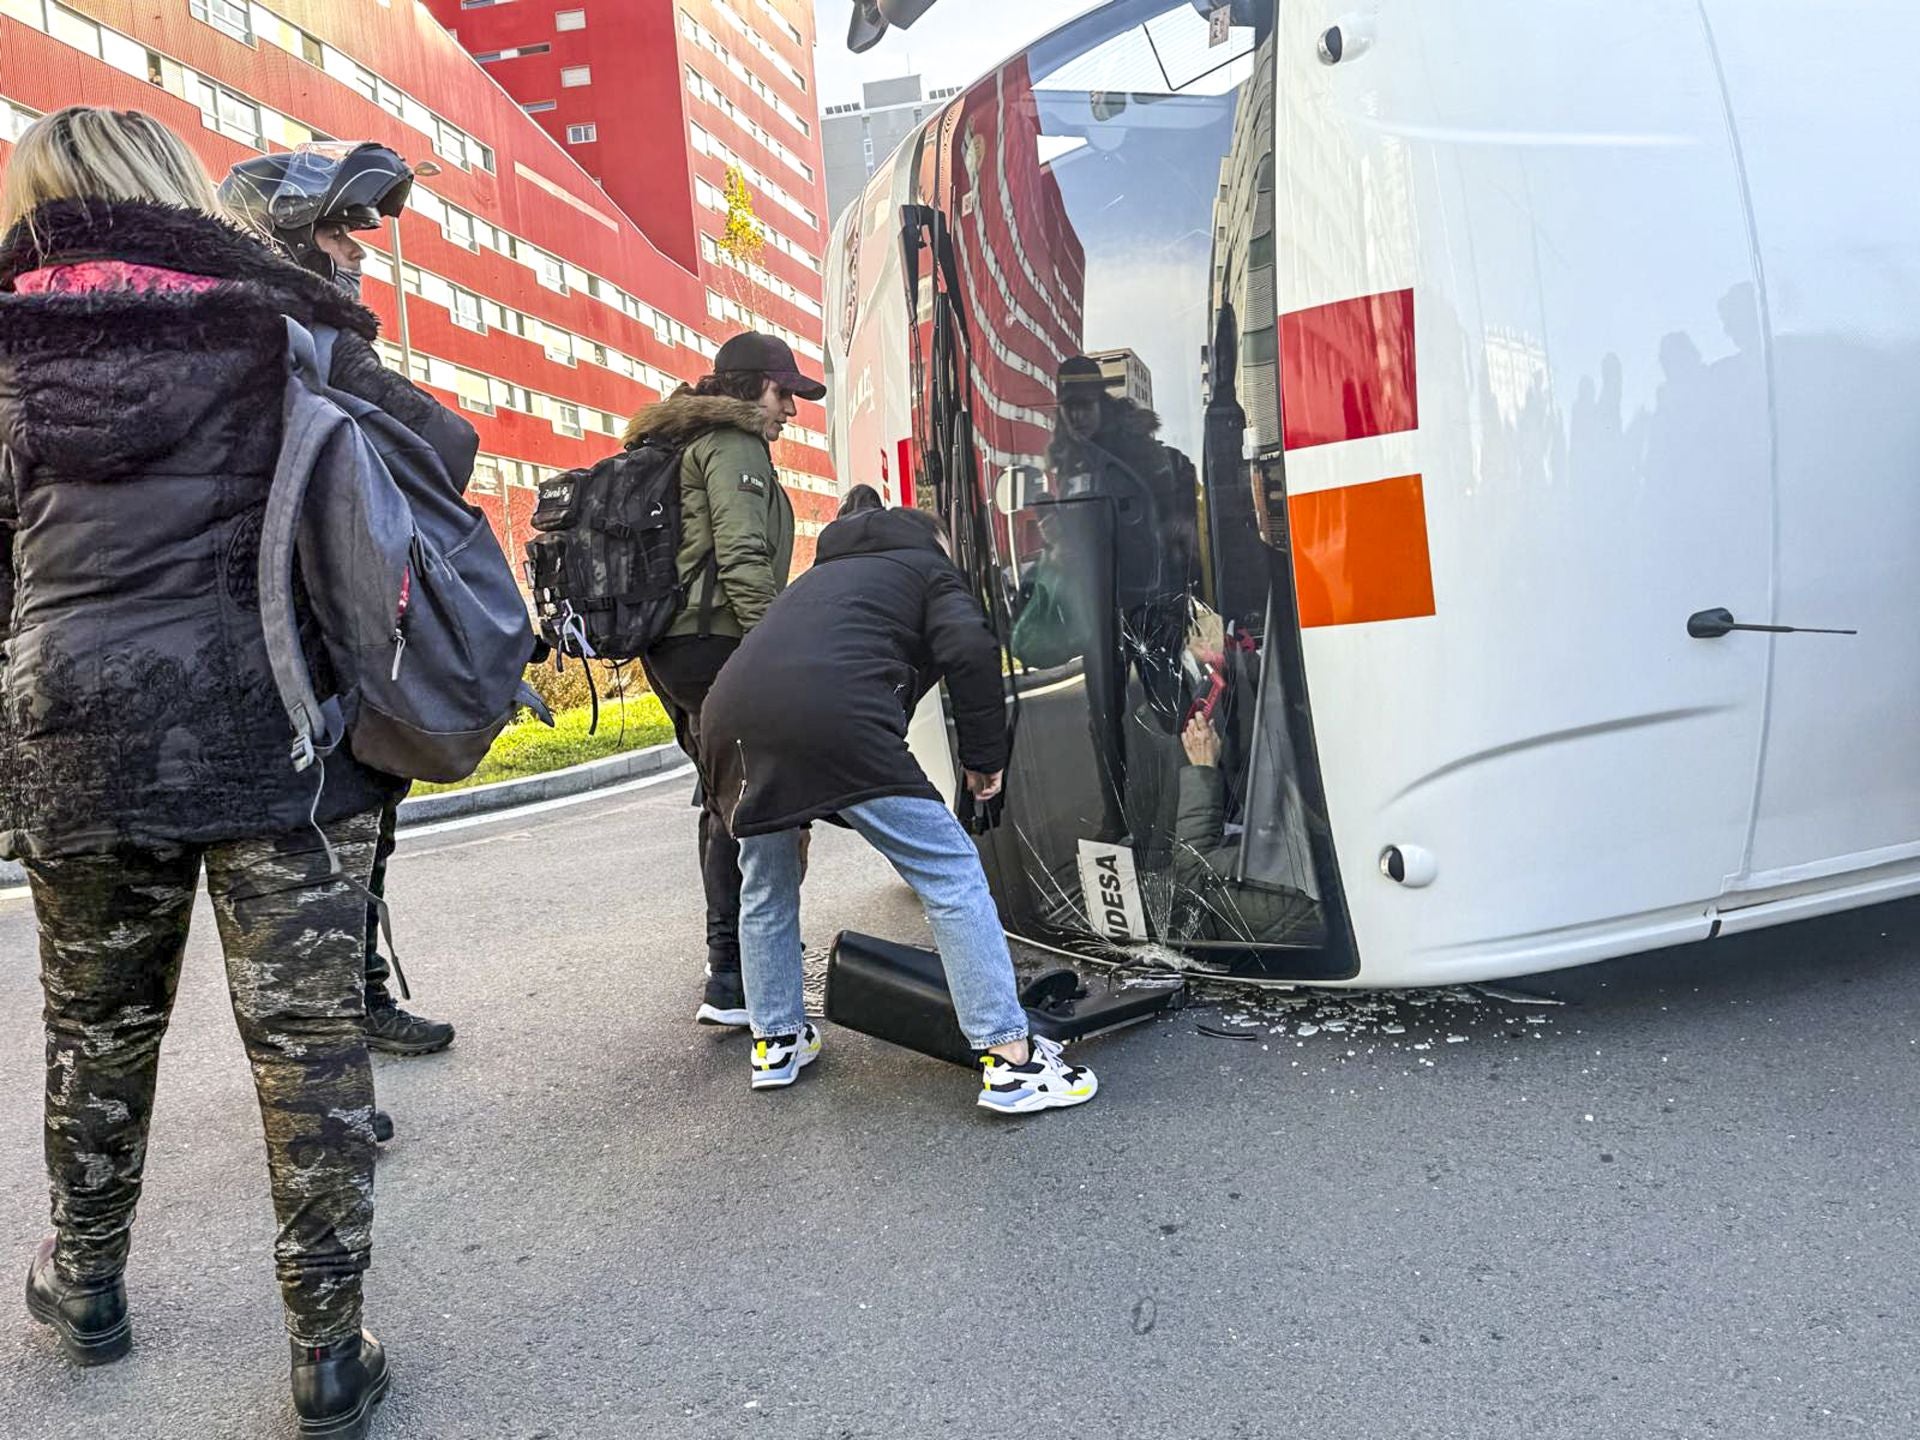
<point>1678,1205</point>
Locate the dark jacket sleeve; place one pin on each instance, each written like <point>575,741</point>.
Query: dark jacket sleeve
<point>9,523</point>
<point>966,655</point>
<point>1199,823</point>
<point>358,371</point>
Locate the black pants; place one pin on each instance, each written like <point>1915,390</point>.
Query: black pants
<point>681,672</point>
<point>113,928</point>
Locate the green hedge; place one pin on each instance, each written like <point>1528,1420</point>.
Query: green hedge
<point>530,748</point>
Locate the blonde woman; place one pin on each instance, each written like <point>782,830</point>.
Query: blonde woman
<point>141,738</point>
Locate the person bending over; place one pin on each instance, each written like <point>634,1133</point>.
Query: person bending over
<point>808,721</point>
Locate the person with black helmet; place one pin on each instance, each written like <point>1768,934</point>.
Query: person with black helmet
<point>735,554</point>
<point>308,203</point>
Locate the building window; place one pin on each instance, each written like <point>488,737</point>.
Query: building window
<point>482,4</point>
<point>487,57</point>
<point>582,134</point>
<point>450,143</point>
<point>570,20</point>
<point>566,419</point>
<point>466,311</point>
<point>76,30</point>
<point>224,16</point>
<point>574,76</point>
<point>458,227</point>
<point>14,120</point>
<point>537,107</point>
<point>234,116</point>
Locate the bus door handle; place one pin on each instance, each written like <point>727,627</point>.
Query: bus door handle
<point>1712,624</point>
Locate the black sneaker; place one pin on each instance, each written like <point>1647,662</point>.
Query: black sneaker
<point>396,1032</point>
<point>335,1387</point>
<point>725,1002</point>
<point>382,1127</point>
<point>91,1319</point>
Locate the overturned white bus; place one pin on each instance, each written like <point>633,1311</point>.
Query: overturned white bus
<point>1443,471</point>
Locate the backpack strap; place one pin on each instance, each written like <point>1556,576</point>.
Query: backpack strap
<point>314,433</point>
<point>322,338</point>
<point>712,574</point>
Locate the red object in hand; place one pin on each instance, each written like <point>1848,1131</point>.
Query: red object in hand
<point>1205,705</point>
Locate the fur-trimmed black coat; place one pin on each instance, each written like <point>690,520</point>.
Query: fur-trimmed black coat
<point>141,376</point>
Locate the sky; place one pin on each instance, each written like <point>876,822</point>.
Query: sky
<point>955,42</point>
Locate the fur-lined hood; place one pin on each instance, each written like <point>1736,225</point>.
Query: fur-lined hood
<point>683,415</point>
<point>170,238</point>
<point>99,381</point>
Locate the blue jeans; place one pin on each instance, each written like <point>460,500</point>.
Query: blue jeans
<point>924,842</point>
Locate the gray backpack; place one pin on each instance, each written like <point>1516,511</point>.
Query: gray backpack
<point>422,624</point>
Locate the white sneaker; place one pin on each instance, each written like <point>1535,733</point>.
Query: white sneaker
<point>779,1059</point>
<point>1045,1082</point>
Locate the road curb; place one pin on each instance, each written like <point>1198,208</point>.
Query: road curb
<point>553,785</point>
<point>504,794</point>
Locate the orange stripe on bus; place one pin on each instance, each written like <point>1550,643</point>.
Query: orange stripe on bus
<point>1360,553</point>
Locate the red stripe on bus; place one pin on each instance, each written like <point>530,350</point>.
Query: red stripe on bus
<point>1360,553</point>
<point>905,451</point>
<point>1347,370</point>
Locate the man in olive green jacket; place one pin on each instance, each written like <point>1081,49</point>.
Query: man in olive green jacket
<point>735,554</point>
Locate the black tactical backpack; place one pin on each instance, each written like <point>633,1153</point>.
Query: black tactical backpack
<point>604,568</point>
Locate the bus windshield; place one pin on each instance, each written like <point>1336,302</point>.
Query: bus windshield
<point>1087,320</point>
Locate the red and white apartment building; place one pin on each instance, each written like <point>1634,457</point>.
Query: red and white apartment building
<point>561,265</point>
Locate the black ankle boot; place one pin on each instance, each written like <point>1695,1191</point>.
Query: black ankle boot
<point>91,1319</point>
<point>398,1032</point>
<point>335,1387</point>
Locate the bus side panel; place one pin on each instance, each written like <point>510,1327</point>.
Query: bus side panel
<point>1826,154</point>
<point>1522,448</point>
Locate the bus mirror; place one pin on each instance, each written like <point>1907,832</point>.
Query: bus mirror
<point>867,26</point>
<point>904,12</point>
<point>872,17</point>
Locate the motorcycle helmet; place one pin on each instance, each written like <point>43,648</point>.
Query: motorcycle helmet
<point>283,196</point>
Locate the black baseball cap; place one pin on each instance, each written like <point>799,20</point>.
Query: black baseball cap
<point>1079,378</point>
<point>770,356</point>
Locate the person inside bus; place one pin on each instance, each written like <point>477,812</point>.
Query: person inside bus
<point>1213,905</point>
<point>1105,447</point>
<point>808,721</point>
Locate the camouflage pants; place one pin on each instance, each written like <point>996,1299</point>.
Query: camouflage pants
<point>113,929</point>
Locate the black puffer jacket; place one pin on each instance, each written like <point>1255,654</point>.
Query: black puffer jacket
<point>141,374</point>
<point>810,714</point>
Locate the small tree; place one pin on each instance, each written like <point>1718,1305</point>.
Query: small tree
<point>741,241</point>
<point>744,237</point>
